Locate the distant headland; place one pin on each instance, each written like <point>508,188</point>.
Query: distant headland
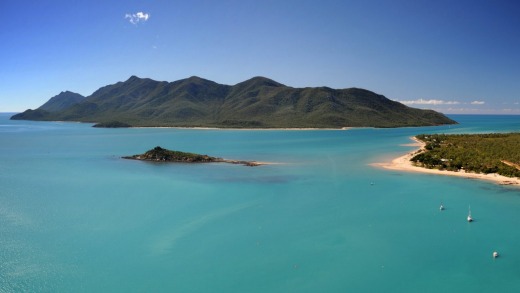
<point>159,154</point>
<point>255,103</point>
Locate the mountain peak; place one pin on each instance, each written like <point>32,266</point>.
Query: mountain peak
<point>260,81</point>
<point>197,79</point>
<point>62,101</point>
<point>133,78</point>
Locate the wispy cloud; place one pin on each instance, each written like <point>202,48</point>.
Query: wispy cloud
<point>478,103</point>
<point>137,17</point>
<point>429,102</point>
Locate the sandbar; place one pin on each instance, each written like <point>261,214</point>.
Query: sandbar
<point>403,163</point>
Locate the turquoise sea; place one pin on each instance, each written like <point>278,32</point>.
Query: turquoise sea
<point>75,217</point>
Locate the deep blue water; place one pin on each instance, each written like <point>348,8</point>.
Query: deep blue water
<point>75,217</point>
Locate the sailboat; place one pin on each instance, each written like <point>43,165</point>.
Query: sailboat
<point>441,208</point>
<point>470,219</point>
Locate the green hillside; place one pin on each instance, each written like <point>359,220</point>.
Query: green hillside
<point>256,103</point>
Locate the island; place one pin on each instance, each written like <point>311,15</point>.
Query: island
<point>159,154</point>
<point>259,103</point>
<point>492,156</point>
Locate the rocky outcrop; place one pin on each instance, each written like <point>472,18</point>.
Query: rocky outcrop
<point>159,154</point>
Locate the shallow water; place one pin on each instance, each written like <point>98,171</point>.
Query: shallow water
<point>75,217</point>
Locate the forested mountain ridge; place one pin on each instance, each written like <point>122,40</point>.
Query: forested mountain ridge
<point>255,103</point>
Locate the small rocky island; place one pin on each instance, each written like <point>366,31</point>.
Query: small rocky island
<point>112,124</point>
<point>159,154</point>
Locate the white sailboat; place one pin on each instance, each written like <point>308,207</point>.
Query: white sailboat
<point>441,208</point>
<point>470,219</point>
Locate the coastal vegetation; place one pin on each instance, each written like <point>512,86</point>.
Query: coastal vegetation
<point>255,103</point>
<point>112,124</point>
<point>479,153</point>
<point>159,154</point>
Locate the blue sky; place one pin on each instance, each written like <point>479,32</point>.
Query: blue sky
<point>451,56</point>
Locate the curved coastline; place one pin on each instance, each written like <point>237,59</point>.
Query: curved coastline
<point>245,129</point>
<point>403,163</point>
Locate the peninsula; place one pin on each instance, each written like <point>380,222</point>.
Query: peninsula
<point>494,157</point>
<point>159,154</point>
<point>255,103</point>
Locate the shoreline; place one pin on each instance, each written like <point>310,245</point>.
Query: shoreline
<point>403,163</point>
<point>245,129</point>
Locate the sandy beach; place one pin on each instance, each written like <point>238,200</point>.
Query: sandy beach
<point>403,163</point>
<point>244,129</point>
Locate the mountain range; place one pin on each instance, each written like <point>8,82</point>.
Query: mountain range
<point>255,103</point>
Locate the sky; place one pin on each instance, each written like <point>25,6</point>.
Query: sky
<point>456,57</point>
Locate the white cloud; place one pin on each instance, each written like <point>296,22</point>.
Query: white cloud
<point>511,111</point>
<point>478,103</point>
<point>429,102</point>
<point>137,17</point>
